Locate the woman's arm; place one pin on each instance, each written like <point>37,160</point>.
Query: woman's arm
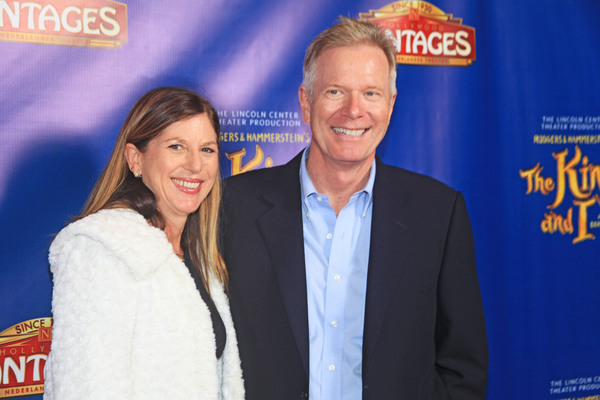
<point>93,305</point>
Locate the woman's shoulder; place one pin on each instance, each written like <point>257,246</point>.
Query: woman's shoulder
<point>110,225</point>
<point>122,232</point>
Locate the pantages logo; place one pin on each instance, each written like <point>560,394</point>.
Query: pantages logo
<point>424,35</point>
<point>82,23</point>
<point>24,349</point>
<point>578,176</point>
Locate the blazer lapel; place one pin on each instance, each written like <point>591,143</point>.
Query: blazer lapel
<point>392,230</point>
<point>281,228</point>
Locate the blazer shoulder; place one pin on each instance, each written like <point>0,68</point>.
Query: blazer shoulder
<point>260,179</point>
<point>249,179</point>
<point>413,183</point>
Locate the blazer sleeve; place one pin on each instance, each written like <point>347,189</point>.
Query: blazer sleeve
<point>460,337</point>
<point>93,314</point>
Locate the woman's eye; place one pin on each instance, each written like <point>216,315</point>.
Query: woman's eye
<point>175,146</point>
<point>208,150</point>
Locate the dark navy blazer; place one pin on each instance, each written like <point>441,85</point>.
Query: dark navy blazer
<point>424,335</point>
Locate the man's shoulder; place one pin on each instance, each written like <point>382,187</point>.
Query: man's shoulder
<point>256,175</point>
<point>400,191</point>
<point>258,179</point>
<point>411,182</point>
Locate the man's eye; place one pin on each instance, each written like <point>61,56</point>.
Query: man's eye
<point>334,91</point>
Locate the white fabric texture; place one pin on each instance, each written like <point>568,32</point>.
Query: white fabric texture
<point>129,322</point>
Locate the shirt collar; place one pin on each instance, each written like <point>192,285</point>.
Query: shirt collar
<point>307,187</point>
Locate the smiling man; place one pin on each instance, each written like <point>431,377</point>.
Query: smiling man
<point>351,279</point>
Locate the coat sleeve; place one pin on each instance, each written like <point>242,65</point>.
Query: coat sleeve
<point>94,310</point>
<point>460,337</point>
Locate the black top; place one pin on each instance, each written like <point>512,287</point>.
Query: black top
<point>217,322</point>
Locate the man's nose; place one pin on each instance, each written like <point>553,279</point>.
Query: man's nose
<point>353,107</point>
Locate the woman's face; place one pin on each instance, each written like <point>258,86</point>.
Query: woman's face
<point>180,167</point>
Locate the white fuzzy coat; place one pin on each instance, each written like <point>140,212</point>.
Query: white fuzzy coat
<point>129,322</point>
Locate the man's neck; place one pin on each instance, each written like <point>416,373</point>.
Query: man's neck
<point>339,181</point>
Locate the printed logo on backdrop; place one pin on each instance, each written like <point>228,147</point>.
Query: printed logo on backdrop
<point>24,349</point>
<point>571,181</point>
<point>424,35</point>
<point>89,23</point>
<point>258,129</point>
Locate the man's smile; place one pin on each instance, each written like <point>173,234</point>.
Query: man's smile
<point>349,132</point>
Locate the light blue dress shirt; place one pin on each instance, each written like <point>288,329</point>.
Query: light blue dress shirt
<point>336,254</point>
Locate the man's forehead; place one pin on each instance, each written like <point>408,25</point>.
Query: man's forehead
<point>354,57</point>
<point>350,47</point>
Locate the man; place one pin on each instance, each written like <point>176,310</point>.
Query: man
<point>351,279</point>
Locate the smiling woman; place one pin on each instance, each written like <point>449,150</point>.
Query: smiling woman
<point>141,261</point>
<point>180,167</point>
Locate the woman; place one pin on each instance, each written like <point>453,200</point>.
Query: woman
<point>138,303</point>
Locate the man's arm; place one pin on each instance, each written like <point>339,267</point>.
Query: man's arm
<point>460,337</point>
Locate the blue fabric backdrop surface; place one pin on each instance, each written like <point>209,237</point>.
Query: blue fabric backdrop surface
<point>517,132</point>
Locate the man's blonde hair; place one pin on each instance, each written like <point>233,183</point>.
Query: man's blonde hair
<point>349,32</point>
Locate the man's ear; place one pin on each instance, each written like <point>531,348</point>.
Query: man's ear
<point>392,101</point>
<point>134,160</point>
<point>304,104</point>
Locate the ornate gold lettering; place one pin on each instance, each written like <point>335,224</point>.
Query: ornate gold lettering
<point>236,160</point>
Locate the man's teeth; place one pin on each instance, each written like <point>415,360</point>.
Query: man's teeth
<point>186,184</point>
<point>349,132</point>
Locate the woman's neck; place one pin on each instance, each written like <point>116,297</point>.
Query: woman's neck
<point>174,237</point>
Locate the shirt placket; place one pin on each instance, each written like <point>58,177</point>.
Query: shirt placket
<point>334,322</point>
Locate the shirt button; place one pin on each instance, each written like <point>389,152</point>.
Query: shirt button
<point>334,323</point>
<point>329,236</point>
<point>319,198</point>
<point>331,367</point>
<point>337,277</point>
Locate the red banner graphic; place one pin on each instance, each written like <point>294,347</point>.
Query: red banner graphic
<point>93,23</point>
<point>24,349</point>
<point>424,35</point>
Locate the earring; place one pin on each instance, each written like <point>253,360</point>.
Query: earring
<point>137,174</point>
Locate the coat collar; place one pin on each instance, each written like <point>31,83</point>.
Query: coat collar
<point>281,228</point>
<point>126,234</point>
<point>392,230</point>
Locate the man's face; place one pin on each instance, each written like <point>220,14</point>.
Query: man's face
<point>351,104</point>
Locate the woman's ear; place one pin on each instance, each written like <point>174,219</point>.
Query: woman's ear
<point>134,160</point>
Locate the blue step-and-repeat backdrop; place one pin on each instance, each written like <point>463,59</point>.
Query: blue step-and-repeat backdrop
<point>499,99</point>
